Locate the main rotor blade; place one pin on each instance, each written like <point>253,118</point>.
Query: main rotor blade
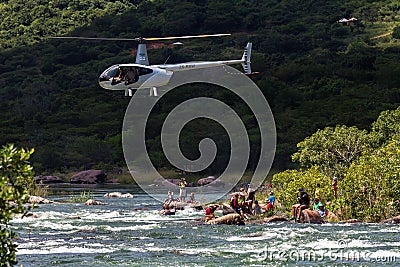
<point>139,39</point>
<point>186,37</point>
<point>96,38</point>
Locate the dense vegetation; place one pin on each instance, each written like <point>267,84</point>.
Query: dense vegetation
<point>366,164</point>
<point>315,72</point>
<point>16,178</point>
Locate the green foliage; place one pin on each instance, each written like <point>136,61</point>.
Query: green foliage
<point>288,182</point>
<point>367,162</point>
<point>332,149</point>
<point>16,178</point>
<point>82,197</point>
<point>379,173</point>
<point>396,32</point>
<point>387,125</point>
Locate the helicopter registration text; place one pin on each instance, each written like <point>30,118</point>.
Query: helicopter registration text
<point>187,66</point>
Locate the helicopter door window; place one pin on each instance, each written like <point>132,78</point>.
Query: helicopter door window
<point>132,75</point>
<point>144,71</point>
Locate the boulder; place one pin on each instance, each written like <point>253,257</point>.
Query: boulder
<point>205,181</point>
<point>178,205</point>
<point>92,202</point>
<point>331,217</point>
<point>352,221</point>
<point>32,215</point>
<point>174,181</point>
<point>310,216</point>
<point>48,179</point>
<point>276,218</point>
<point>392,220</point>
<point>234,219</point>
<point>74,217</point>
<point>118,195</point>
<point>39,200</point>
<point>226,209</point>
<point>89,177</point>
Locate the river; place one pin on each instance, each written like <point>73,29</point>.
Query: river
<point>130,232</point>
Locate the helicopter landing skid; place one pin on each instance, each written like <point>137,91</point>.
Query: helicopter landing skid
<point>129,92</point>
<point>153,91</point>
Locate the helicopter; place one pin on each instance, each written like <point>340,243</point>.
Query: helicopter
<point>142,75</point>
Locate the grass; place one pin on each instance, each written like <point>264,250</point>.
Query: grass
<point>40,190</point>
<point>82,198</point>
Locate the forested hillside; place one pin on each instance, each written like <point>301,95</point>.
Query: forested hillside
<point>315,72</point>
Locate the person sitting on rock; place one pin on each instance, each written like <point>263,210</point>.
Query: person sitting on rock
<point>271,200</point>
<point>316,204</point>
<point>304,203</point>
<point>257,208</point>
<point>210,212</point>
<point>322,211</point>
<point>192,199</point>
<point>170,196</point>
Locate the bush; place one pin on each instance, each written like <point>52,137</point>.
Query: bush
<point>396,32</point>
<point>16,178</point>
<point>288,182</point>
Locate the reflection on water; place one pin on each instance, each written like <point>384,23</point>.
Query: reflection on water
<point>130,232</point>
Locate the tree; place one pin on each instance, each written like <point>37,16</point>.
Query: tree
<point>396,32</point>
<point>288,182</point>
<point>387,125</point>
<point>371,187</point>
<point>332,149</point>
<point>16,178</point>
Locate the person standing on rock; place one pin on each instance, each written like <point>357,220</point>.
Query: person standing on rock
<point>334,186</point>
<point>182,192</point>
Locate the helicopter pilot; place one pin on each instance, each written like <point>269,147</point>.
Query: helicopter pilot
<point>118,77</point>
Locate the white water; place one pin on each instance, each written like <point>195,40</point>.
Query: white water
<point>131,232</point>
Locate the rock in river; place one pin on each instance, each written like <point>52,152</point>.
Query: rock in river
<point>48,179</point>
<point>392,220</point>
<point>39,200</point>
<point>118,195</point>
<point>89,177</point>
<point>92,202</point>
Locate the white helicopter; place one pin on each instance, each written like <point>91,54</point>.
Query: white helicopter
<point>142,75</point>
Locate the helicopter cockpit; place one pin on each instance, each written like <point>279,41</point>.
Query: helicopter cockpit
<point>125,74</point>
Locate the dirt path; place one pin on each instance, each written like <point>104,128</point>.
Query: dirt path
<point>382,35</point>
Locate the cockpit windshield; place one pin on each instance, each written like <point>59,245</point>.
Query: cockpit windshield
<point>109,73</point>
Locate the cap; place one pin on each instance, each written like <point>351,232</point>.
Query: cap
<point>300,190</point>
